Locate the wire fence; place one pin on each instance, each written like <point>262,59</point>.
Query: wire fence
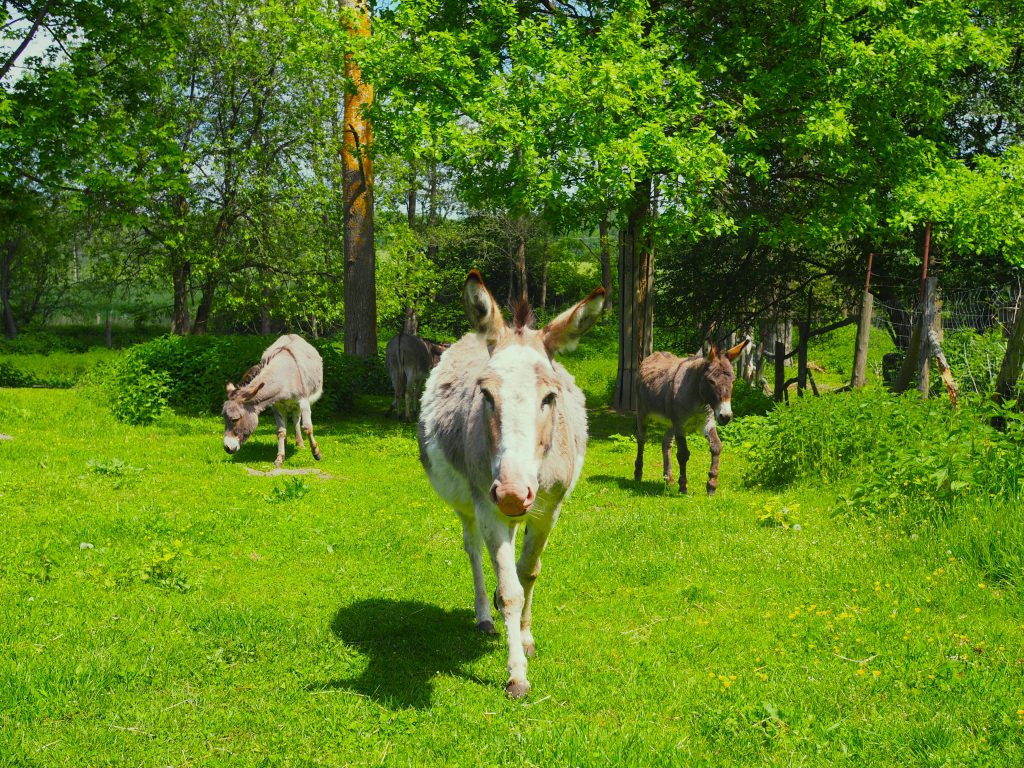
<point>975,323</point>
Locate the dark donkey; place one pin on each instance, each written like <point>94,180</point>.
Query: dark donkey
<point>679,389</point>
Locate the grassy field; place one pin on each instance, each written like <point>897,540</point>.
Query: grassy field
<point>159,606</point>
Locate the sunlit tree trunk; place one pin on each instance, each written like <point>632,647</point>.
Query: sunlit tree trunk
<point>606,260</point>
<point>357,179</point>
<point>6,262</point>
<point>636,296</point>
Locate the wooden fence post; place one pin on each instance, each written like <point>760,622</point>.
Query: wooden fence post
<point>860,355</point>
<point>929,314</point>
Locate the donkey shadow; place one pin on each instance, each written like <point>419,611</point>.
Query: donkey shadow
<point>642,488</point>
<point>407,643</point>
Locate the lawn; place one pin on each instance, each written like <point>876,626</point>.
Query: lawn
<point>160,606</point>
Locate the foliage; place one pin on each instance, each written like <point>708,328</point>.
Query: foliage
<point>188,373</point>
<point>900,455</point>
<point>11,376</point>
<point>291,489</point>
<point>749,399</point>
<point>974,358</point>
<point>138,394</point>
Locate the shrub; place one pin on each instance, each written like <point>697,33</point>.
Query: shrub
<point>11,376</point>
<point>194,370</point>
<point>749,400</point>
<point>137,397</point>
<point>901,455</point>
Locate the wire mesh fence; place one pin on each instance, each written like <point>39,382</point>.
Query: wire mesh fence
<point>975,323</point>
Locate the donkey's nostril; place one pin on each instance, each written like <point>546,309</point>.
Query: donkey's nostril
<point>494,492</point>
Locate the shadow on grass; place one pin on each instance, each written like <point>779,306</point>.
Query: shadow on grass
<point>407,643</point>
<point>643,488</point>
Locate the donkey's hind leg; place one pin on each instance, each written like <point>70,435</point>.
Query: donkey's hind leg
<point>641,437</point>
<point>307,425</point>
<point>666,454</point>
<point>297,413</point>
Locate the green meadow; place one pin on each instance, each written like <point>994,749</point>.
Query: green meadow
<point>161,606</point>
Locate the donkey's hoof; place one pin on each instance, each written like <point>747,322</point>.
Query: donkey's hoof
<point>683,491</point>
<point>317,455</point>
<point>279,461</point>
<point>517,689</point>
<point>486,627</point>
<point>711,490</point>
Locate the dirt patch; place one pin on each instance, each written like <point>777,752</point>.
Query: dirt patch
<point>5,437</point>
<point>280,471</point>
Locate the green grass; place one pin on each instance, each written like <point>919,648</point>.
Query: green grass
<point>158,606</point>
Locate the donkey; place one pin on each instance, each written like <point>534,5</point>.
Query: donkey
<point>677,389</point>
<point>410,359</point>
<point>288,379</point>
<point>503,434</point>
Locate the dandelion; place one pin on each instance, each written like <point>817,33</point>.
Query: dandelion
<point>876,673</point>
<point>861,672</point>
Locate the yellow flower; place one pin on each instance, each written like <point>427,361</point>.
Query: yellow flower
<point>876,673</point>
<point>861,672</point>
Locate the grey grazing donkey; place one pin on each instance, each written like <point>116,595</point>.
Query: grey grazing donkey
<point>503,433</point>
<point>676,390</point>
<point>288,380</point>
<point>409,360</point>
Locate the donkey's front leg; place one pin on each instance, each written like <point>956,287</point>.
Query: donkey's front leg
<point>711,433</point>
<point>282,431</point>
<point>307,425</point>
<point>473,543</point>
<point>682,455</point>
<point>528,569</point>
<point>510,599</point>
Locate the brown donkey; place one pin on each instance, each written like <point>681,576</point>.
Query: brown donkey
<point>677,389</point>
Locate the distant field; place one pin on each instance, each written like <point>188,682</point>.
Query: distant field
<point>158,606</point>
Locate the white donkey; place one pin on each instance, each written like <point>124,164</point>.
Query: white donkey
<point>503,433</point>
<point>288,380</point>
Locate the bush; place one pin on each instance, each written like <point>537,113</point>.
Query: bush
<point>13,377</point>
<point>901,454</point>
<point>194,370</point>
<point>749,400</point>
<point>137,397</point>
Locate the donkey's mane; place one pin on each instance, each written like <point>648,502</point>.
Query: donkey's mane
<point>522,314</point>
<point>249,375</point>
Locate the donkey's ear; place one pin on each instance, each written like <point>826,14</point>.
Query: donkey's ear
<point>564,332</point>
<point>230,388</point>
<point>712,353</point>
<point>482,310</point>
<point>249,394</point>
<point>735,352</point>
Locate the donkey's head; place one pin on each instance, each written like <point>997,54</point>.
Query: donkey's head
<point>240,415</point>
<point>718,377</point>
<point>518,391</point>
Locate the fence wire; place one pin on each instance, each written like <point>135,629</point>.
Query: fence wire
<point>975,323</point>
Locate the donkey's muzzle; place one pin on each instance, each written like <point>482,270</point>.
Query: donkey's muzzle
<point>513,499</point>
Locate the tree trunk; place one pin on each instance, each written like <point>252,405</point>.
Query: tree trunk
<point>517,290</point>
<point>432,211</point>
<point>202,321</point>
<point>410,199</point>
<point>544,276</point>
<point>1013,361</point>
<point>860,354</point>
<point>357,179</point>
<point>636,297</point>
<point>606,261</point>
<point>181,316</point>
<point>265,313</point>
<point>6,262</point>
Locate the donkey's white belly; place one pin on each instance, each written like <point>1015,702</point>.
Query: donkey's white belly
<point>450,485</point>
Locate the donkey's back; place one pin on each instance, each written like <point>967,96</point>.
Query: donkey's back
<point>293,367</point>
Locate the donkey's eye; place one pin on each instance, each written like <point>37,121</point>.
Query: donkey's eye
<point>548,400</point>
